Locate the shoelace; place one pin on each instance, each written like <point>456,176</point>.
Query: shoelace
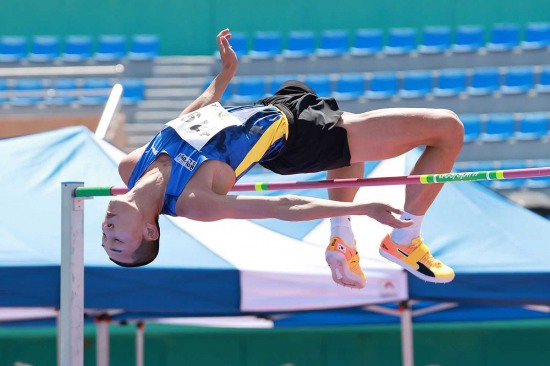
<point>427,258</point>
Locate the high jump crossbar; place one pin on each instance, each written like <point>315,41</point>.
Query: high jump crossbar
<point>355,182</point>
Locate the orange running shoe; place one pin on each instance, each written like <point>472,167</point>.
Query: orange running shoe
<point>344,264</point>
<point>417,259</point>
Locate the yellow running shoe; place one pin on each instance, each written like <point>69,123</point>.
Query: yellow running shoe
<point>344,264</point>
<point>417,259</point>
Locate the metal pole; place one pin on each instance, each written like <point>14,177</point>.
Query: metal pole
<point>407,343</point>
<point>71,313</point>
<point>140,330</point>
<point>102,340</point>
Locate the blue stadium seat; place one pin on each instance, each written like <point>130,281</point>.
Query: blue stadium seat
<point>333,43</point>
<point>110,47</point>
<point>97,91</point>
<point>539,182</point>
<point>499,127</point>
<point>518,80</point>
<point>450,83</point>
<point>3,91</point>
<point>416,84</point>
<point>78,48</point>
<point>44,49</point>
<point>400,41</point>
<point>320,83</point>
<point>533,126</point>
<point>472,126</point>
<point>349,86</point>
<point>382,85</point>
<point>13,49</point>
<point>504,37</point>
<point>368,41</point>
<point>249,89</point>
<point>484,80</point>
<point>266,45</point>
<point>65,92</point>
<point>435,39</point>
<point>469,38</point>
<point>536,36</point>
<point>509,183</point>
<point>32,92</point>
<point>239,43</point>
<point>228,92</point>
<point>543,80</point>
<point>144,47</point>
<point>133,91</point>
<point>299,44</point>
<point>275,82</point>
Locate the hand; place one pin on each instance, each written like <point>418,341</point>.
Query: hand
<point>228,56</point>
<point>383,213</point>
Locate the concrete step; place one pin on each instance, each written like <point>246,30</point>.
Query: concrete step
<point>173,93</point>
<point>185,60</point>
<point>165,82</point>
<point>181,70</point>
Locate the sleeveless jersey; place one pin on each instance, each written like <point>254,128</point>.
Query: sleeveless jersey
<point>260,136</point>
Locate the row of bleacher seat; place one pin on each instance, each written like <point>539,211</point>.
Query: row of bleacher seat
<point>68,91</point>
<point>492,127</point>
<point>407,84</point>
<point>508,184</point>
<point>401,40</point>
<point>78,48</point>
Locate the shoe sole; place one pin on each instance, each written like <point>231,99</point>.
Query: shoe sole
<point>340,271</point>
<point>414,272</point>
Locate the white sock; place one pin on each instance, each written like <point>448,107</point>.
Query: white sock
<point>341,226</point>
<point>406,235</point>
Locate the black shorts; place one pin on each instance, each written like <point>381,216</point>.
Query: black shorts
<point>314,141</point>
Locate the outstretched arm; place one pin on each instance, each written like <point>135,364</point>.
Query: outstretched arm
<point>208,206</point>
<point>217,87</point>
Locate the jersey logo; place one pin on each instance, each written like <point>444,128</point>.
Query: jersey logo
<point>185,161</point>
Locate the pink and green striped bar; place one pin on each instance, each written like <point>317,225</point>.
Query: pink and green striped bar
<point>356,182</point>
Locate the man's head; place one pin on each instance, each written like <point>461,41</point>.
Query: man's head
<point>129,239</point>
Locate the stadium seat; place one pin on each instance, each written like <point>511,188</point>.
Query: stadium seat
<point>3,89</point>
<point>144,47</point>
<point>133,91</point>
<point>416,84</point>
<point>536,36</point>
<point>504,37</point>
<point>509,183</point>
<point>539,182</point>
<point>44,49</point>
<point>228,92</point>
<point>13,49</point>
<point>517,80</point>
<point>275,82</point>
<point>266,45</point>
<point>32,92</point>
<point>450,83</point>
<point>484,81</point>
<point>110,47</point>
<point>472,126</point>
<point>382,85</point>
<point>543,80</point>
<point>333,43</point>
<point>249,89</point>
<point>533,126</point>
<point>435,39</point>
<point>299,44</point>
<point>77,48</point>
<point>499,127</point>
<point>320,83</point>
<point>469,38</point>
<point>96,91</point>
<point>349,86</point>
<point>367,42</point>
<point>400,41</point>
<point>65,92</point>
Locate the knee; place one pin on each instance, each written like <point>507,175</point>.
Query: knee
<point>451,129</point>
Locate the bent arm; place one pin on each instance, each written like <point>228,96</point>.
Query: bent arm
<point>215,90</point>
<point>210,207</point>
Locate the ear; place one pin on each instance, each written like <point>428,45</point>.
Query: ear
<point>150,232</point>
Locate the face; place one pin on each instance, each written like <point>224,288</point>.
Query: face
<point>122,230</point>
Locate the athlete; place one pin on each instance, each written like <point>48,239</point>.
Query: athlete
<point>194,161</point>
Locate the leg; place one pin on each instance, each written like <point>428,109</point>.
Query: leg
<point>384,134</point>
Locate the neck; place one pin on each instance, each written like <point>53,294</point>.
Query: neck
<point>148,193</point>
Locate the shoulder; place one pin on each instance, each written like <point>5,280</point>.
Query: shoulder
<point>129,162</point>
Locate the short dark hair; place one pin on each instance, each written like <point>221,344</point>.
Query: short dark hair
<point>146,252</point>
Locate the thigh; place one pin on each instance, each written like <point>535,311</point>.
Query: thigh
<point>386,133</point>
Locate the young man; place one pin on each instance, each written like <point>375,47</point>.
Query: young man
<point>190,166</point>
